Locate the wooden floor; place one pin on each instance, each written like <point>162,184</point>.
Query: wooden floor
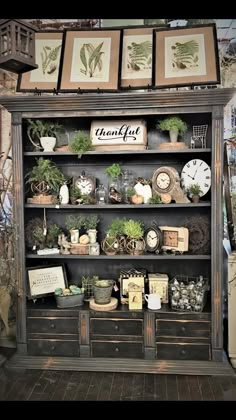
<point>45,385</point>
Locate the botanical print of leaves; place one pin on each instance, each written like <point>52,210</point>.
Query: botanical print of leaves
<point>139,55</point>
<point>91,58</point>
<point>185,55</point>
<point>49,58</point>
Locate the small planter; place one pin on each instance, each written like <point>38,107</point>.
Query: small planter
<point>173,136</point>
<point>92,233</point>
<point>70,301</point>
<point>195,198</point>
<point>48,143</point>
<point>102,290</point>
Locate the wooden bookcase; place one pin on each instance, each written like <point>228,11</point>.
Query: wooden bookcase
<point>161,341</point>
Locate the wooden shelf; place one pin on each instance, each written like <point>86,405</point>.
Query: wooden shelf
<point>120,257</point>
<point>119,206</point>
<point>122,152</point>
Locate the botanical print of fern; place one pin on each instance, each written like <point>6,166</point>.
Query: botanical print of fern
<point>185,55</point>
<point>91,58</point>
<point>49,57</point>
<point>139,55</point>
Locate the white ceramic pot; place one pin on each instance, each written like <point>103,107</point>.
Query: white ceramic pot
<point>48,143</point>
<point>174,136</point>
<point>92,233</point>
<point>74,236</point>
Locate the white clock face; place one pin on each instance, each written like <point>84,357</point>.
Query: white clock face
<point>163,180</point>
<point>196,171</point>
<point>85,185</point>
<point>152,239</point>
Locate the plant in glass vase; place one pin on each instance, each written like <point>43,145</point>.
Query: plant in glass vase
<point>114,171</point>
<point>134,231</point>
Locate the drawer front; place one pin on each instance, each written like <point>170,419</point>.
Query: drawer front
<point>116,326</point>
<point>117,349</point>
<point>53,325</point>
<point>182,328</point>
<point>183,352</point>
<point>53,348</point>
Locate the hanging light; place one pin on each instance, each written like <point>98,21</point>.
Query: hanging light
<point>17,46</point>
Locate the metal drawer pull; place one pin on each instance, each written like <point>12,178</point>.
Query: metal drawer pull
<point>183,352</point>
<point>116,327</point>
<point>53,348</point>
<point>52,325</point>
<point>117,349</point>
<point>183,329</point>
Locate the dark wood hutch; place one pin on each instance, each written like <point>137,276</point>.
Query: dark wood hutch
<point>161,341</point>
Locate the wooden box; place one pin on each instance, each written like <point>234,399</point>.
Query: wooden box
<point>119,134</point>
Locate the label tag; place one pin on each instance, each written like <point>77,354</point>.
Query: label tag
<point>116,288</point>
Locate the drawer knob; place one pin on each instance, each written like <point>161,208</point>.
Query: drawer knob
<point>116,327</point>
<point>183,329</point>
<point>183,352</point>
<point>117,349</point>
<point>52,348</point>
<point>52,325</point>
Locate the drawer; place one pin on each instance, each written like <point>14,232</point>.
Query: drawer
<point>53,347</point>
<point>53,325</point>
<point>182,328</point>
<point>194,351</point>
<point>116,326</point>
<point>117,349</point>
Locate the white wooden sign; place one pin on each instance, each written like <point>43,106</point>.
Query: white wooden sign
<point>119,134</point>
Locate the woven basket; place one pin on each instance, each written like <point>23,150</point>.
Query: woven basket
<point>79,249</point>
<point>42,199</point>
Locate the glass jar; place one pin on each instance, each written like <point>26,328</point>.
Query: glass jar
<point>126,184</point>
<point>101,194</point>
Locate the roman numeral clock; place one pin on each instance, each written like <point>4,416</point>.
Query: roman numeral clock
<point>196,171</point>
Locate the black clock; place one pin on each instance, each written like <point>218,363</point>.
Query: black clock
<point>153,239</point>
<point>86,184</point>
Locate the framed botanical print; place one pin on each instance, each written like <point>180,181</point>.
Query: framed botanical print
<point>136,58</point>
<point>91,60</point>
<point>186,56</point>
<point>48,47</point>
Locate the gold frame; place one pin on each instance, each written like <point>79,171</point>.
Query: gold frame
<point>76,72</point>
<point>200,67</point>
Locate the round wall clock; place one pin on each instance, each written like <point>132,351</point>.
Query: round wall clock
<point>166,180</point>
<point>196,171</point>
<point>86,183</point>
<point>153,239</point>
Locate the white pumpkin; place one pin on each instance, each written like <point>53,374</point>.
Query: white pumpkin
<point>144,190</point>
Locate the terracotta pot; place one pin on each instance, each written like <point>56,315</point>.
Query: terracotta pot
<point>195,198</point>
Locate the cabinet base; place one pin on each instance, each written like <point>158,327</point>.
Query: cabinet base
<point>175,367</point>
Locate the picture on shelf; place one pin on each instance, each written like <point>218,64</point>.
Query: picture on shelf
<point>186,56</point>
<point>42,281</point>
<point>136,70</point>
<point>91,60</point>
<point>48,46</point>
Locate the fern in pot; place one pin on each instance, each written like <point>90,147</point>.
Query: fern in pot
<point>44,131</point>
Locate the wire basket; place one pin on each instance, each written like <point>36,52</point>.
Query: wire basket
<point>188,294</point>
<point>87,285</point>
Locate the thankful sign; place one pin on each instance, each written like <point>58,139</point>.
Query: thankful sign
<point>126,134</point>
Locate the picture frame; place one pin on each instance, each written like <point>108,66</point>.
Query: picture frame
<point>132,283</point>
<point>48,49</point>
<point>136,72</point>
<point>185,56</point>
<point>43,280</point>
<point>91,60</point>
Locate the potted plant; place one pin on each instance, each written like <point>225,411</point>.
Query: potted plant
<point>75,194</point>
<point>74,224</point>
<point>90,225</point>
<point>116,230</point>
<point>175,125</point>
<point>45,180</point>
<point>134,231</point>
<point>81,143</point>
<point>194,191</point>
<point>44,131</point>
